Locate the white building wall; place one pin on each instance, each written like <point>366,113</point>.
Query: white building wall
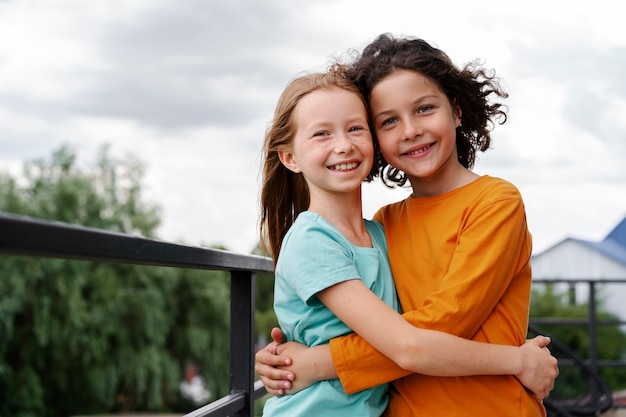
<point>571,259</point>
<point>574,260</point>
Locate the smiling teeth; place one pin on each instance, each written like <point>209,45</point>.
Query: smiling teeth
<point>418,151</point>
<point>345,167</point>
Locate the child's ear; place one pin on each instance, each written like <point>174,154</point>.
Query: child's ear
<point>457,112</point>
<point>288,159</point>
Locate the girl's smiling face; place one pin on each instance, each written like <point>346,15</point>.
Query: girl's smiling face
<point>416,126</point>
<point>333,145</point>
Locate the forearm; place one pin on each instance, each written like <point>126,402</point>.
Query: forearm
<point>319,362</point>
<point>439,354</point>
<point>445,355</point>
<point>308,365</point>
<point>422,351</point>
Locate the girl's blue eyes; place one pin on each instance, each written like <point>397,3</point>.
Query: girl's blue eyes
<point>324,133</point>
<point>392,120</point>
<point>424,109</point>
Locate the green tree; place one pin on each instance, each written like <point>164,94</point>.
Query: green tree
<point>81,337</point>
<point>554,302</point>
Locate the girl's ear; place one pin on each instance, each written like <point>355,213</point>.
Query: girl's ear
<point>456,112</point>
<point>288,159</point>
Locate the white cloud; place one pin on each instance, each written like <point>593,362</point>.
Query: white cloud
<point>189,87</point>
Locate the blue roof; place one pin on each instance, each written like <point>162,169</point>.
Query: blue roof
<point>608,248</point>
<point>618,235</point>
<point>613,245</point>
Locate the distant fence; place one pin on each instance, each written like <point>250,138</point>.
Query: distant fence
<point>21,235</point>
<point>592,321</point>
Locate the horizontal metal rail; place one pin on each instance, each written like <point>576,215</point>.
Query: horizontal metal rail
<point>20,235</point>
<point>36,237</point>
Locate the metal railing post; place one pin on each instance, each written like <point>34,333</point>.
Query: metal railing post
<point>242,307</point>
<point>593,327</point>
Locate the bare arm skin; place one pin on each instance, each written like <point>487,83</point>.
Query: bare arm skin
<point>419,350</point>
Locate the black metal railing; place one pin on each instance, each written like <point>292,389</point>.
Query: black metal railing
<point>580,390</point>
<point>21,235</point>
<point>591,321</point>
<point>26,236</point>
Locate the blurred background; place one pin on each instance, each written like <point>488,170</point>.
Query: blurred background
<point>147,118</point>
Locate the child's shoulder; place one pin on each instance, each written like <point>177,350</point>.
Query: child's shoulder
<point>389,209</point>
<point>374,227</point>
<point>496,185</point>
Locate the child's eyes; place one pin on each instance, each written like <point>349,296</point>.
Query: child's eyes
<point>425,109</point>
<point>389,121</point>
<point>323,133</point>
<point>420,110</point>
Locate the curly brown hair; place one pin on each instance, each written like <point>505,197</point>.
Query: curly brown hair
<point>468,88</point>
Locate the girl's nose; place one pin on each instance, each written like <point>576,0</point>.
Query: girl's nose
<point>343,144</point>
<point>412,129</point>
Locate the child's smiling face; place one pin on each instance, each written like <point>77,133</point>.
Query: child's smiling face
<point>415,124</point>
<point>333,145</point>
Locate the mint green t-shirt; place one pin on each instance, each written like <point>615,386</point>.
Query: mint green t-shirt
<point>313,257</point>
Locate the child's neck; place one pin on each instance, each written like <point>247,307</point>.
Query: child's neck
<point>442,182</point>
<point>344,211</point>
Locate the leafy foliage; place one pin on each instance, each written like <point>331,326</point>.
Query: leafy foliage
<point>81,337</point>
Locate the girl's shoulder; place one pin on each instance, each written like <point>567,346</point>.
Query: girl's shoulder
<point>496,187</point>
<point>376,231</point>
<point>312,232</point>
<point>373,225</point>
<point>309,225</point>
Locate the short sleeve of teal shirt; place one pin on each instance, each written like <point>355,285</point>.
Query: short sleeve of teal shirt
<point>316,256</point>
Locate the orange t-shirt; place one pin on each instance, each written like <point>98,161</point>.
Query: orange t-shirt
<point>461,263</point>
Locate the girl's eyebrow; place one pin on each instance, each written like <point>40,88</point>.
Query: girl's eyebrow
<point>382,113</point>
<point>419,100</point>
<point>326,124</point>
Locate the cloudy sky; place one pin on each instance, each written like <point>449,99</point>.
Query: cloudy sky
<point>189,86</point>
